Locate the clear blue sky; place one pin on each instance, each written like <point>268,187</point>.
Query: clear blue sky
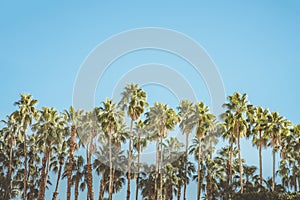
<point>254,45</point>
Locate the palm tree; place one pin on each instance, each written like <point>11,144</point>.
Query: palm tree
<point>49,128</point>
<point>57,164</point>
<point>139,144</point>
<point>205,124</point>
<point>72,117</point>
<point>187,124</point>
<point>257,117</point>
<point>110,118</point>
<point>162,119</point>
<point>88,133</point>
<point>238,107</point>
<point>10,132</point>
<point>277,127</point>
<point>134,101</point>
<point>27,112</point>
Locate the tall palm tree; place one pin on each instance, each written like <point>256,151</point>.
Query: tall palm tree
<point>49,128</point>
<point>257,117</point>
<point>238,107</point>
<point>139,144</point>
<point>187,124</point>
<point>72,117</point>
<point>10,133</point>
<point>110,118</point>
<point>88,132</point>
<point>162,119</point>
<point>205,124</point>
<point>27,112</point>
<point>134,101</point>
<point>277,127</point>
<point>57,163</point>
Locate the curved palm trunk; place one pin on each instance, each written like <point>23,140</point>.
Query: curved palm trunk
<point>70,164</point>
<point>110,169</point>
<point>273,179</point>
<point>90,175</point>
<point>8,187</point>
<point>129,162</point>
<point>185,164</point>
<point>156,169</point>
<point>240,163</point>
<point>260,160</point>
<point>25,164</point>
<point>55,194</point>
<point>199,171</point>
<point>138,170</point>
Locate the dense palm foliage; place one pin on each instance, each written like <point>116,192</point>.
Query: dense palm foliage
<point>42,147</point>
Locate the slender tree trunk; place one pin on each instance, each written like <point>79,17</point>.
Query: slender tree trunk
<point>8,187</point>
<point>55,194</point>
<point>25,164</point>
<point>113,186</point>
<point>199,171</point>
<point>179,193</point>
<point>260,159</point>
<point>156,168</point>
<point>101,190</point>
<point>138,168</point>
<point>241,164</point>
<point>70,163</point>
<point>161,169</point>
<point>90,175</point>
<point>110,168</point>
<point>129,162</point>
<point>76,189</point>
<point>230,164</point>
<point>185,164</point>
<point>273,179</point>
<point>43,177</point>
<point>208,187</point>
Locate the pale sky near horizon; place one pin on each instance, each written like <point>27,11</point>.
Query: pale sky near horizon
<point>255,46</point>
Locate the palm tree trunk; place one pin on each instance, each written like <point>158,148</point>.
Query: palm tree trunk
<point>110,168</point>
<point>241,164</point>
<point>230,164</point>
<point>138,169</point>
<point>179,192</point>
<point>129,162</point>
<point>25,163</point>
<point>273,179</point>
<point>58,180</point>
<point>161,169</point>
<point>70,163</point>
<point>8,187</point>
<point>76,189</point>
<point>156,168</point>
<point>101,190</point>
<point>43,177</point>
<point>260,160</point>
<point>90,175</point>
<point>185,164</point>
<point>199,171</point>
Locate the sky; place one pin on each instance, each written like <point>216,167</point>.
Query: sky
<point>254,45</point>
